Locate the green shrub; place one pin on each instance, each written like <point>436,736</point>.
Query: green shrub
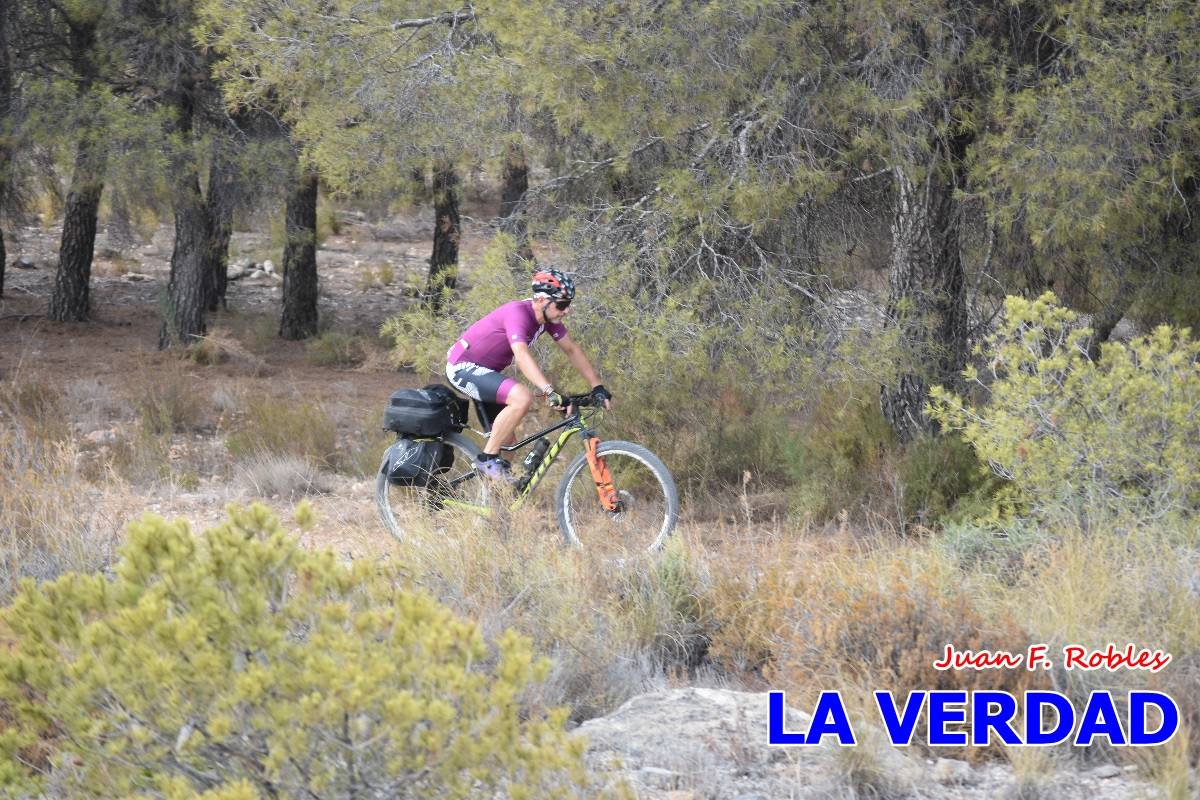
<point>237,664</point>
<point>943,481</point>
<point>334,349</point>
<point>834,459</point>
<point>1118,435</point>
<point>281,426</point>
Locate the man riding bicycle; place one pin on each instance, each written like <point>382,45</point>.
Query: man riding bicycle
<point>475,361</point>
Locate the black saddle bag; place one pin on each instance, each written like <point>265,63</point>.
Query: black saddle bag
<point>432,411</point>
<point>409,462</point>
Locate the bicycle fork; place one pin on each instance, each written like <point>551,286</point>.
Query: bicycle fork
<point>610,500</point>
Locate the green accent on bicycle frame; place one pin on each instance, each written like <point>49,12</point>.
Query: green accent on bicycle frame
<point>547,460</point>
<point>483,511</point>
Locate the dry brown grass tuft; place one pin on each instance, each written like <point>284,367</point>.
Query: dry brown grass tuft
<point>220,346</point>
<point>284,426</point>
<point>51,520</point>
<point>285,476</point>
<point>167,399</point>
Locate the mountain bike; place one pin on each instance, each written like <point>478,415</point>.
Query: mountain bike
<point>614,496</point>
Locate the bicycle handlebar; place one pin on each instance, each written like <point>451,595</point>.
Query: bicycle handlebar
<point>580,400</point>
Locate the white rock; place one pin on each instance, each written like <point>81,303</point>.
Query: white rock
<point>1105,771</point>
<point>268,267</point>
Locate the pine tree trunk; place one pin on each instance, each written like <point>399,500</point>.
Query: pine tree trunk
<point>515,183</point>
<point>299,319</point>
<point>7,123</point>
<point>443,263</point>
<point>926,302</point>
<point>222,192</point>
<point>187,290</point>
<point>70,300</point>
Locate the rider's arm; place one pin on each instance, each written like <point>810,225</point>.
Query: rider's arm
<point>529,366</point>
<point>579,360</point>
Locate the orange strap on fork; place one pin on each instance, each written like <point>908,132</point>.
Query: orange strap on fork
<point>604,485</point>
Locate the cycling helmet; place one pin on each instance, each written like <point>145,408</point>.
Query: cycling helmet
<point>553,284</point>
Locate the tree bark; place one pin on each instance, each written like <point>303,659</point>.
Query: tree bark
<point>70,301</point>
<point>443,263</point>
<point>7,123</point>
<point>514,185</point>
<point>222,195</point>
<point>926,302</point>
<point>299,319</point>
<point>188,288</point>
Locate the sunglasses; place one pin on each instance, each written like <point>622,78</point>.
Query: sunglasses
<point>562,305</point>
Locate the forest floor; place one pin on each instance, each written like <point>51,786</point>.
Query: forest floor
<point>100,366</point>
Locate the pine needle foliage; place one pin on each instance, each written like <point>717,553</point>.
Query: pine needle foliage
<point>1116,435</point>
<point>237,664</point>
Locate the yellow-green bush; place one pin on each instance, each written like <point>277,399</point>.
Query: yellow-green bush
<point>238,664</point>
<point>1117,435</point>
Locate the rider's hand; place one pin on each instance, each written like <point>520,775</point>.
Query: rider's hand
<point>555,400</point>
<point>602,396</point>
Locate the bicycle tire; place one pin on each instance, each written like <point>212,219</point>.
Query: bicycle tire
<point>407,500</point>
<point>648,492</point>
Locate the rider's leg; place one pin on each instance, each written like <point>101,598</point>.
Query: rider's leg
<point>504,426</point>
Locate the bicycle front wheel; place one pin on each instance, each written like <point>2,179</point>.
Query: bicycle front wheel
<point>456,486</point>
<point>649,502</point>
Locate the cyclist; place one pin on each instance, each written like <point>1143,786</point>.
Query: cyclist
<point>475,361</point>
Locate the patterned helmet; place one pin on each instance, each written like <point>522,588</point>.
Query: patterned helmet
<point>553,284</point>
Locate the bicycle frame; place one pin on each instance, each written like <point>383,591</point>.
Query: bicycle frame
<point>572,425</point>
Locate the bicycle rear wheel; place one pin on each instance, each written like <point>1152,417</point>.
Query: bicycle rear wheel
<point>649,500</point>
<point>457,486</point>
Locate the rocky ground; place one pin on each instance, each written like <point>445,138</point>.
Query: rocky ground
<point>693,743</point>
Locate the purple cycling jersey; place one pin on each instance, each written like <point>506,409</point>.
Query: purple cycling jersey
<point>489,341</point>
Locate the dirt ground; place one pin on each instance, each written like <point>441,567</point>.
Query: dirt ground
<point>99,365</point>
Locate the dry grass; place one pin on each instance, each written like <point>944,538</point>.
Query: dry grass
<point>285,476</point>
<point>335,349</point>
<point>52,520</point>
<point>748,605</point>
<point>221,346</point>
<point>167,400</point>
<point>269,425</point>
<point>612,630</point>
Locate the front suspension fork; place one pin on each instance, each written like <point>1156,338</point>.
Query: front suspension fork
<point>609,498</point>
